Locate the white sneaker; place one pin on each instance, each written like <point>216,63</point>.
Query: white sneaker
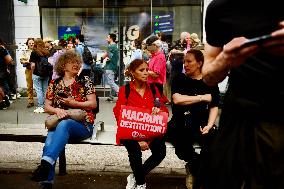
<point>14,97</point>
<point>39,110</point>
<point>131,182</point>
<point>143,186</point>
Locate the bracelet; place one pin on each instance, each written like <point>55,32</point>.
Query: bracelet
<point>200,98</point>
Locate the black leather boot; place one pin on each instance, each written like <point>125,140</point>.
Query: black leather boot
<point>41,172</point>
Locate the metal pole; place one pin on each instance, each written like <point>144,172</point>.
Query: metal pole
<point>151,16</point>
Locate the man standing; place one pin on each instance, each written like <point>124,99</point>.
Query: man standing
<point>157,63</point>
<point>25,61</point>
<point>111,58</point>
<point>79,41</point>
<point>5,60</point>
<point>248,151</point>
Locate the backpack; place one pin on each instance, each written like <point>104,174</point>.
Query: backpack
<point>153,90</point>
<point>87,56</point>
<point>95,110</point>
<point>44,68</point>
<point>97,74</point>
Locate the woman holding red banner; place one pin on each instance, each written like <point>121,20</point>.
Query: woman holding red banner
<point>141,95</point>
<point>195,109</point>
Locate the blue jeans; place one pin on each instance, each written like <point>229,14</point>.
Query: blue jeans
<point>4,84</point>
<point>40,84</point>
<point>109,77</point>
<point>67,129</point>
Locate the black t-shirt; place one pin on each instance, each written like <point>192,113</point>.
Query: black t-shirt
<point>258,83</point>
<point>35,58</point>
<point>3,65</point>
<point>184,85</point>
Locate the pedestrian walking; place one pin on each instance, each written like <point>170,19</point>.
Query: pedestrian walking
<point>111,65</point>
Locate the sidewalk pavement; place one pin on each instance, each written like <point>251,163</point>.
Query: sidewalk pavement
<point>107,157</point>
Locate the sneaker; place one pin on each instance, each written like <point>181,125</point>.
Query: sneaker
<point>189,179</point>
<point>39,110</point>
<point>41,172</point>
<point>109,99</point>
<point>143,186</point>
<point>7,101</point>
<point>131,182</point>
<point>13,97</point>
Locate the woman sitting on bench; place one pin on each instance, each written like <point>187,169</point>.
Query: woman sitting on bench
<point>67,92</point>
<point>141,94</point>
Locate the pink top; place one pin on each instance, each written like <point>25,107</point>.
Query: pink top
<point>52,60</point>
<point>157,64</point>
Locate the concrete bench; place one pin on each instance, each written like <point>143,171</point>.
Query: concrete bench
<point>98,127</point>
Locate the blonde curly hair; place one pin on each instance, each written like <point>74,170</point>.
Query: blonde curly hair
<point>68,56</point>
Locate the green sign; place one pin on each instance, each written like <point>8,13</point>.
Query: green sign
<point>24,1</point>
<point>67,35</point>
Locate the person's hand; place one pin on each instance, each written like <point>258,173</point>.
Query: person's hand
<point>205,130</point>
<point>178,97</point>
<point>235,55</point>
<point>32,65</point>
<point>143,145</point>
<point>107,58</point>
<point>61,113</point>
<point>66,101</point>
<point>155,110</point>
<point>276,46</point>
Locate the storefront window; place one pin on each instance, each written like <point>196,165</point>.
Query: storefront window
<point>127,22</point>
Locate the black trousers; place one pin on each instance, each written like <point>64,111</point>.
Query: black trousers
<point>158,149</point>
<point>247,152</point>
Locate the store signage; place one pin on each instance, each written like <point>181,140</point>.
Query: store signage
<point>164,23</point>
<point>64,32</point>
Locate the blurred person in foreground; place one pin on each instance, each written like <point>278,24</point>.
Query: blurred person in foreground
<point>140,95</point>
<point>79,93</point>
<point>25,61</point>
<point>249,149</point>
<point>5,60</point>
<point>195,110</point>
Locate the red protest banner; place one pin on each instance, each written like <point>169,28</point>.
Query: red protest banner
<point>139,124</point>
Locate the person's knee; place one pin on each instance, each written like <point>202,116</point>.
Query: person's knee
<point>64,124</point>
<point>159,153</point>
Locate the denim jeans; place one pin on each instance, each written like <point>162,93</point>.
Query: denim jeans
<point>40,84</point>
<point>4,84</point>
<point>109,78</point>
<point>56,140</point>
